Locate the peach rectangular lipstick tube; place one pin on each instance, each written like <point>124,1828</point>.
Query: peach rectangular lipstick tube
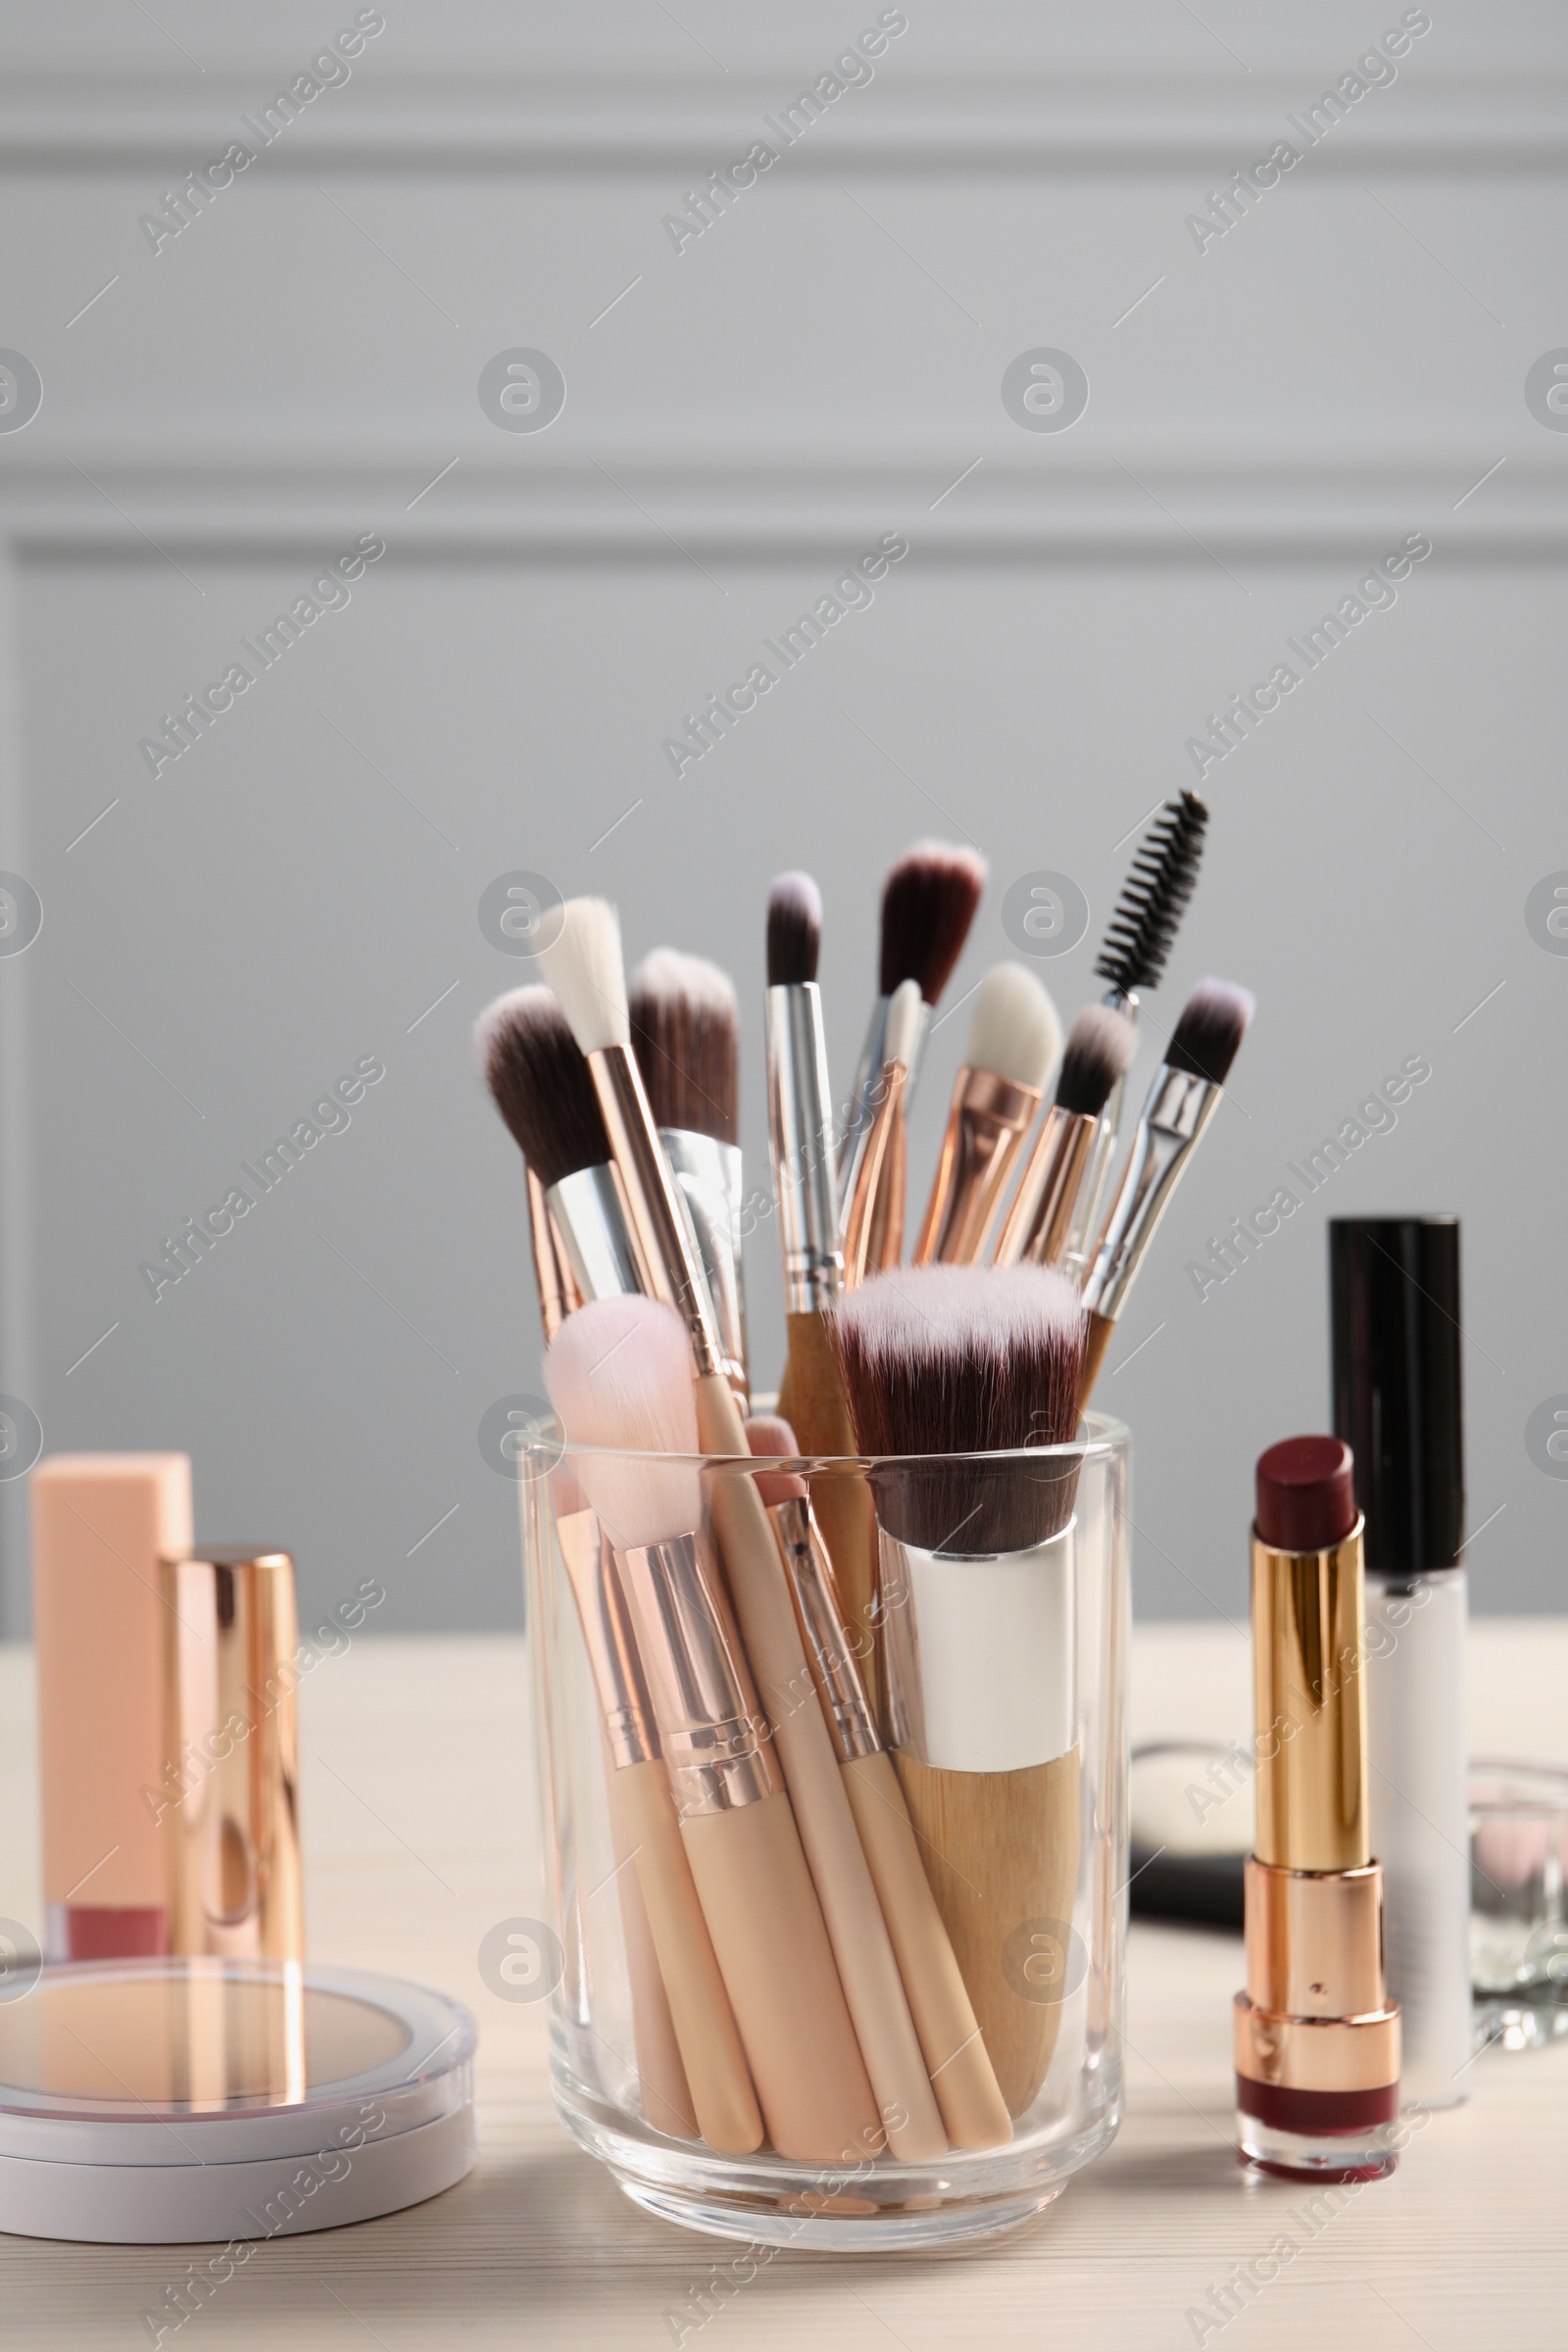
<point>1316,2039</point>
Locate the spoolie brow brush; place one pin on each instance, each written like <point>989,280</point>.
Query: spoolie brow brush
<point>1138,941</point>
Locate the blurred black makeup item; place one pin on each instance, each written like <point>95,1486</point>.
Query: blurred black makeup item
<point>1191,1804</point>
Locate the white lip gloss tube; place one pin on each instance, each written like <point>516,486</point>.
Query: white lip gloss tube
<point>1397,1401</point>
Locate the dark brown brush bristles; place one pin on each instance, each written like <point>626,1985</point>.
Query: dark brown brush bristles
<point>964,1360</point>
<point>928,902</point>
<point>685,1032</point>
<point>1209,1036</point>
<point>1100,1049</point>
<point>1164,874</point>
<point>794,930</point>
<point>542,1086</point>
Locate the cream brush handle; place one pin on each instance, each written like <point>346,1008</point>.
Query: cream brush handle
<point>721,2093</point>
<point>867,1967</point>
<point>768,1935</point>
<point>666,2091</point>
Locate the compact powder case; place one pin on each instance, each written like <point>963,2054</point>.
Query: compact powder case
<point>179,2101</point>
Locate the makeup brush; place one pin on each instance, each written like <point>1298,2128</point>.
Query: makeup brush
<point>801,1136</point>
<point>584,961</point>
<point>620,1376</point>
<point>978,1577</point>
<point>873,1222</point>
<point>930,901</point>
<point>1100,1045</point>
<point>1183,1099</point>
<point>799,1130</point>
<point>1138,941</point>
<point>973,2109</point>
<point>685,1031</point>
<point>1015,1039</point>
<point>542,1088</point>
<point>710,2065</point>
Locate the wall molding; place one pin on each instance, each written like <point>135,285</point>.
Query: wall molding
<point>1022,120</point>
<point>1154,506</point>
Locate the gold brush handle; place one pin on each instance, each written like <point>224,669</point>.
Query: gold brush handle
<point>962,2077</point>
<point>725,2104</point>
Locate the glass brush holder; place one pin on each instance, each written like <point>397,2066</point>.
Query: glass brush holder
<point>838,1843</point>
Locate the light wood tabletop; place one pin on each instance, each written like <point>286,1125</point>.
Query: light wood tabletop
<point>421,1835</point>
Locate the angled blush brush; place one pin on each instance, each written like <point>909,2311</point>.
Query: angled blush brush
<point>929,902</point>
<point>1100,1049</point>
<point>1138,942</point>
<point>685,1031</point>
<point>973,2109</point>
<point>979,1557</point>
<point>1182,1099</point>
<point>620,1376</point>
<point>1015,1039</point>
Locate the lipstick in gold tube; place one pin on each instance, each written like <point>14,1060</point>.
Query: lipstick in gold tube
<point>1316,2037</point>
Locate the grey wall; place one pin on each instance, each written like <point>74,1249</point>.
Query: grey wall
<point>300,890</point>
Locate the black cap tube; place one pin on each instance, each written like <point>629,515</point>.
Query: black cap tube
<point>1397,1396</point>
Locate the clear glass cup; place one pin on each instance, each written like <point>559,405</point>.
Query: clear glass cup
<point>995,1687</point>
<point>1518,1902</point>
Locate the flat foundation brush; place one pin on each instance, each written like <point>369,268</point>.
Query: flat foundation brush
<point>685,1031</point>
<point>1138,942</point>
<point>1100,1049</point>
<point>979,1557</point>
<point>930,901</point>
<point>1183,1099</point>
<point>1015,1039</point>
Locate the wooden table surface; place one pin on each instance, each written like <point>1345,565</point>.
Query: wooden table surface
<point>421,1835</point>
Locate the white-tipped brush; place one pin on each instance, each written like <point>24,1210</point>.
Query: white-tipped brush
<point>1014,1038</point>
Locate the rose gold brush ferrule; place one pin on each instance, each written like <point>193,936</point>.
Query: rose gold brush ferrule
<point>886,1132</point>
<point>715,1736</point>
<point>1317,2039</point>
<point>558,1296</point>
<point>1039,1224</point>
<point>660,1225</point>
<point>608,1638</point>
<point>987,1122</point>
<point>850,1721</point>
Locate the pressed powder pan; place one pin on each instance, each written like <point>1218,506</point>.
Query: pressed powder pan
<point>178,2101</point>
